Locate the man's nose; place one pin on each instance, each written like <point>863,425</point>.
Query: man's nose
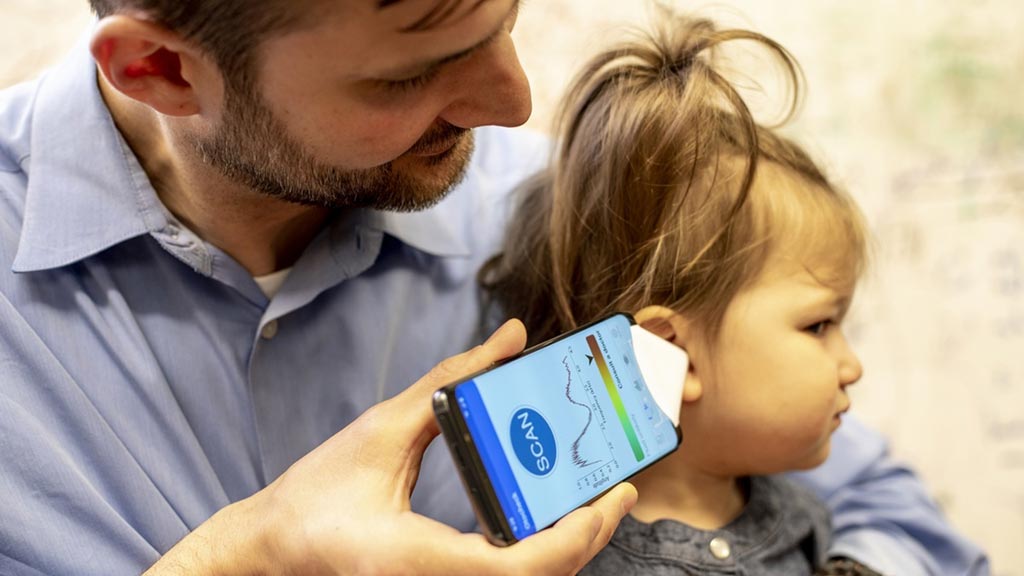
<point>493,91</point>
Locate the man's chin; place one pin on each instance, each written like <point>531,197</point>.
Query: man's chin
<point>429,178</point>
<point>406,184</point>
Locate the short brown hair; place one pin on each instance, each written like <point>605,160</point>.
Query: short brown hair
<point>650,196</point>
<point>228,30</point>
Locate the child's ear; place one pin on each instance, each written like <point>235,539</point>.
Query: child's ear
<point>675,328</point>
<point>664,322</point>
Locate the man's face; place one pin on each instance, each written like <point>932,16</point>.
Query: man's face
<point>354,111</point>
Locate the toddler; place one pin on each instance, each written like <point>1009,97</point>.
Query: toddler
<point>667,199</point>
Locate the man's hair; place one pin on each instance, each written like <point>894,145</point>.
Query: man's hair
<point>228,30</point>
<point>650,198</point>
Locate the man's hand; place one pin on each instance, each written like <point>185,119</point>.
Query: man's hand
<point>344,507</point>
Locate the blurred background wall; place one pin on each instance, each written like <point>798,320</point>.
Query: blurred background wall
<point>916,108</point>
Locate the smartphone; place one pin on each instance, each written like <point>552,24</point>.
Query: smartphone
<point>553,428</point>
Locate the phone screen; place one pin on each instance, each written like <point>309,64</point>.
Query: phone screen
<point>563,423</point>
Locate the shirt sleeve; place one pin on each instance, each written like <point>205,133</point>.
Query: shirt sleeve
<point>882,515</point>
<point>73,497</point>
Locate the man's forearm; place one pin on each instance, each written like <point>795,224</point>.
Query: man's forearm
<point>232,541</point>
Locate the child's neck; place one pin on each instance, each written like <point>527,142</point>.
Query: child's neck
<point>675,489</point>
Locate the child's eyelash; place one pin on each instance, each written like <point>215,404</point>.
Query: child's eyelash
<point>819,327</point>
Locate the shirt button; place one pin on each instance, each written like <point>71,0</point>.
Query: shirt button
<point>719,548</point>
<point>269,330</point>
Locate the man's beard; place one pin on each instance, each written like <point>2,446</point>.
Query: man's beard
<point>252,148</point>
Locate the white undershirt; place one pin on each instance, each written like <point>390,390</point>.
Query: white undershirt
<point>272,282</point>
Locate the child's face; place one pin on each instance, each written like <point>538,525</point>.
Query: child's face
<point>777,379</point>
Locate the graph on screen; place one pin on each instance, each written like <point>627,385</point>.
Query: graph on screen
<point>590,449</point>
<point>574,450</point>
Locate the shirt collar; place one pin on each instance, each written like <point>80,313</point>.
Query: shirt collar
<point>86,190</point>
<point>434,231</point>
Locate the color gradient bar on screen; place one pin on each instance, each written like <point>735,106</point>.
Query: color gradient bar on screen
<point>613,392</point>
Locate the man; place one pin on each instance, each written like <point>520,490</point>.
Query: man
<point>230,234</point>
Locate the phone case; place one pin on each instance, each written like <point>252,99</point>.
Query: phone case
<point>472,472</point>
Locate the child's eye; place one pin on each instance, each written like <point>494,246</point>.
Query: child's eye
<point>818,328</point>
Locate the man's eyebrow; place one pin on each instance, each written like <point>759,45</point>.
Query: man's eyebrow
<point>428,66</point>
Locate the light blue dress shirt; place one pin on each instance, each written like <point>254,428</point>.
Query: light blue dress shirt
<point>146,381</point>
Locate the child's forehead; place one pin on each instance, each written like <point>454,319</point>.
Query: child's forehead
<point>824,268</point>
<point>808,227</point>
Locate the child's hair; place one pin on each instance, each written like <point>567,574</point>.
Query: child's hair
<point>650,196</point>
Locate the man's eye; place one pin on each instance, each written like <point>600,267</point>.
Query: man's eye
<point>410,84</point>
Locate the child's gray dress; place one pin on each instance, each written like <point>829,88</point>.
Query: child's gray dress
<point>784,529</point>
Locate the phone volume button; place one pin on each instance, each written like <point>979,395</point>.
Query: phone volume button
<point>457,457</point>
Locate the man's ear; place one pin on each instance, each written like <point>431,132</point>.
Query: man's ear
<point>149,63</point>
<point>678,330</point>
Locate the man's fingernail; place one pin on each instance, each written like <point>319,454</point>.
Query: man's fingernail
<point>629,501</point>
<point>595,525</point>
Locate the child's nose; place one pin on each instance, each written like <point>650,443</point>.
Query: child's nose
<point>850,369</point>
